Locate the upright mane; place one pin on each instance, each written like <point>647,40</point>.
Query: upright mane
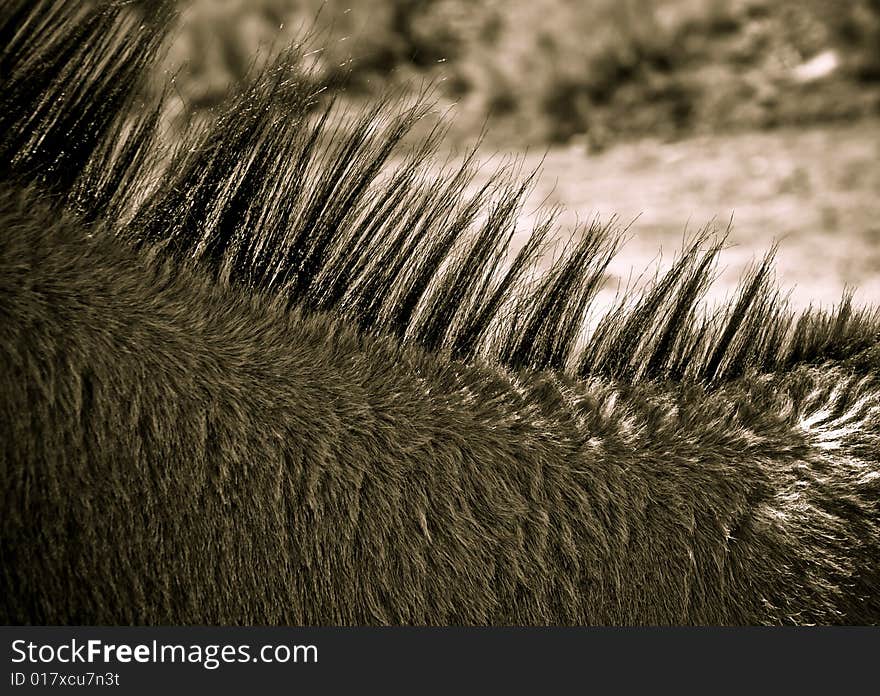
<point>316,210</point>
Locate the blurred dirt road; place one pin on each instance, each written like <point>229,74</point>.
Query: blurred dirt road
<point>815,190</point>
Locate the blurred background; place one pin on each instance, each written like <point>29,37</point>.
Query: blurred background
<point>669,113</point>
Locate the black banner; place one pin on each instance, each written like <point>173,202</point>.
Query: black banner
<point>409,660</point>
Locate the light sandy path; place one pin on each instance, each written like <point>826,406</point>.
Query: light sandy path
<point>815,190</point>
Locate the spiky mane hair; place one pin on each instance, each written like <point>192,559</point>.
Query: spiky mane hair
<point>261,377</point>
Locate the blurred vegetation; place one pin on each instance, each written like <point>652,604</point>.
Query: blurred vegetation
<point>554,70</point>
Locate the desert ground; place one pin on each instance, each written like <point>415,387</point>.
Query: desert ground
<point>815,191</point>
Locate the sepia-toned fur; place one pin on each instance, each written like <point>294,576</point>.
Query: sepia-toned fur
<point>197,428</point>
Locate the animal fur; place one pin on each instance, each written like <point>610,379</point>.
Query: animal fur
<point>188,439</point>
